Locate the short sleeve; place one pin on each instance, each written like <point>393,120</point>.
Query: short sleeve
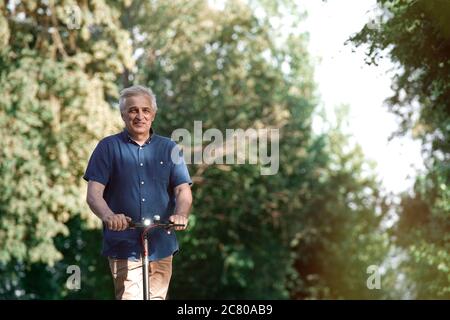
<point>179,172</point>
<point>99,166</point>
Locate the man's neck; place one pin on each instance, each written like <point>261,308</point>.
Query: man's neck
<point>140,138</point>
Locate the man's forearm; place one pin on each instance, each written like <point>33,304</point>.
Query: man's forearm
<point>183,203</point>
<point>100,208</point>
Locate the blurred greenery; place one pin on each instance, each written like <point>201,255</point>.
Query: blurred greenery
<point>416,36</point>
<point>308,232</point>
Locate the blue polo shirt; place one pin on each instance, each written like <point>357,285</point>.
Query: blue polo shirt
<point>139,182</point>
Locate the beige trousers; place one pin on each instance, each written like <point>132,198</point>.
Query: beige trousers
<point>127,276</point>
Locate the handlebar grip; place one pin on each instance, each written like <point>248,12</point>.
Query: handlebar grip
<point>171,224</point>
<point>167,224</point>
<point>133,224</point>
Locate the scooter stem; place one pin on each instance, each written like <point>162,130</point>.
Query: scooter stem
<point>145,279</point>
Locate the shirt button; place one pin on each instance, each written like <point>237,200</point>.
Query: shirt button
<point>140,148</point>
<point>141,164</point>
<point>161,162</point>
<point>142,182</point>
<point>143,199</point>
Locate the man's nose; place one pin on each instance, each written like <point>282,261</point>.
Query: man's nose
<point>140,114</point>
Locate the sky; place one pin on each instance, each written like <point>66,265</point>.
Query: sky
<point>343,78</point>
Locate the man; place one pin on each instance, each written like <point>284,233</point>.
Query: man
<point>132,175</point>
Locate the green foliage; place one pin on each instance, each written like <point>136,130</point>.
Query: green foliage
<point>53,81</point>
<point>211,67</point>
<point>255,236</point>
<point>310,231</point>
<point>423,231</point>
<point>416,35</point>
<point>340,234</point>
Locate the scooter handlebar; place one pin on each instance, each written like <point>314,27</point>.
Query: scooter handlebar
<point>161,224</point>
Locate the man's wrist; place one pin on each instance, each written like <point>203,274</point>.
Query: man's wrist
<point>106,215</point>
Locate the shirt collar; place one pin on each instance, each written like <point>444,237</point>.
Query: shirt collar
<point>127,137</point>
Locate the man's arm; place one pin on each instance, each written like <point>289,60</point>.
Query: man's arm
<point>183,196</point>
<point>99,207</point>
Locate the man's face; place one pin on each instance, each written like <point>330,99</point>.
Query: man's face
<point>138,115</point>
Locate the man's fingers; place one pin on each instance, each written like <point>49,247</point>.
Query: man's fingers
<point>116,225</point>
<point>118,222</point>
<point>179,219</point>
<point>123,222</point>
<point>127,222</point>
<point>120,219</point>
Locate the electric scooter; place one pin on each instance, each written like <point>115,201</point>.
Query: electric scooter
<point>146,225</point>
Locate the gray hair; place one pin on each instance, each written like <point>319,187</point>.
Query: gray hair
<point>137,90</point>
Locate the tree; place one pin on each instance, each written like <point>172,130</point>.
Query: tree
<point>415,35</point>
<point>207,64</point>
<point>58,63</point>
<point>341,233</point>
<point>225,68</point>
<point>251,235</point>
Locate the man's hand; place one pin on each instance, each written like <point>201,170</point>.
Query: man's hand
<point>98,205</point>
<point>183,201</point>
<point>179,219</point>
<point>117,222</point>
